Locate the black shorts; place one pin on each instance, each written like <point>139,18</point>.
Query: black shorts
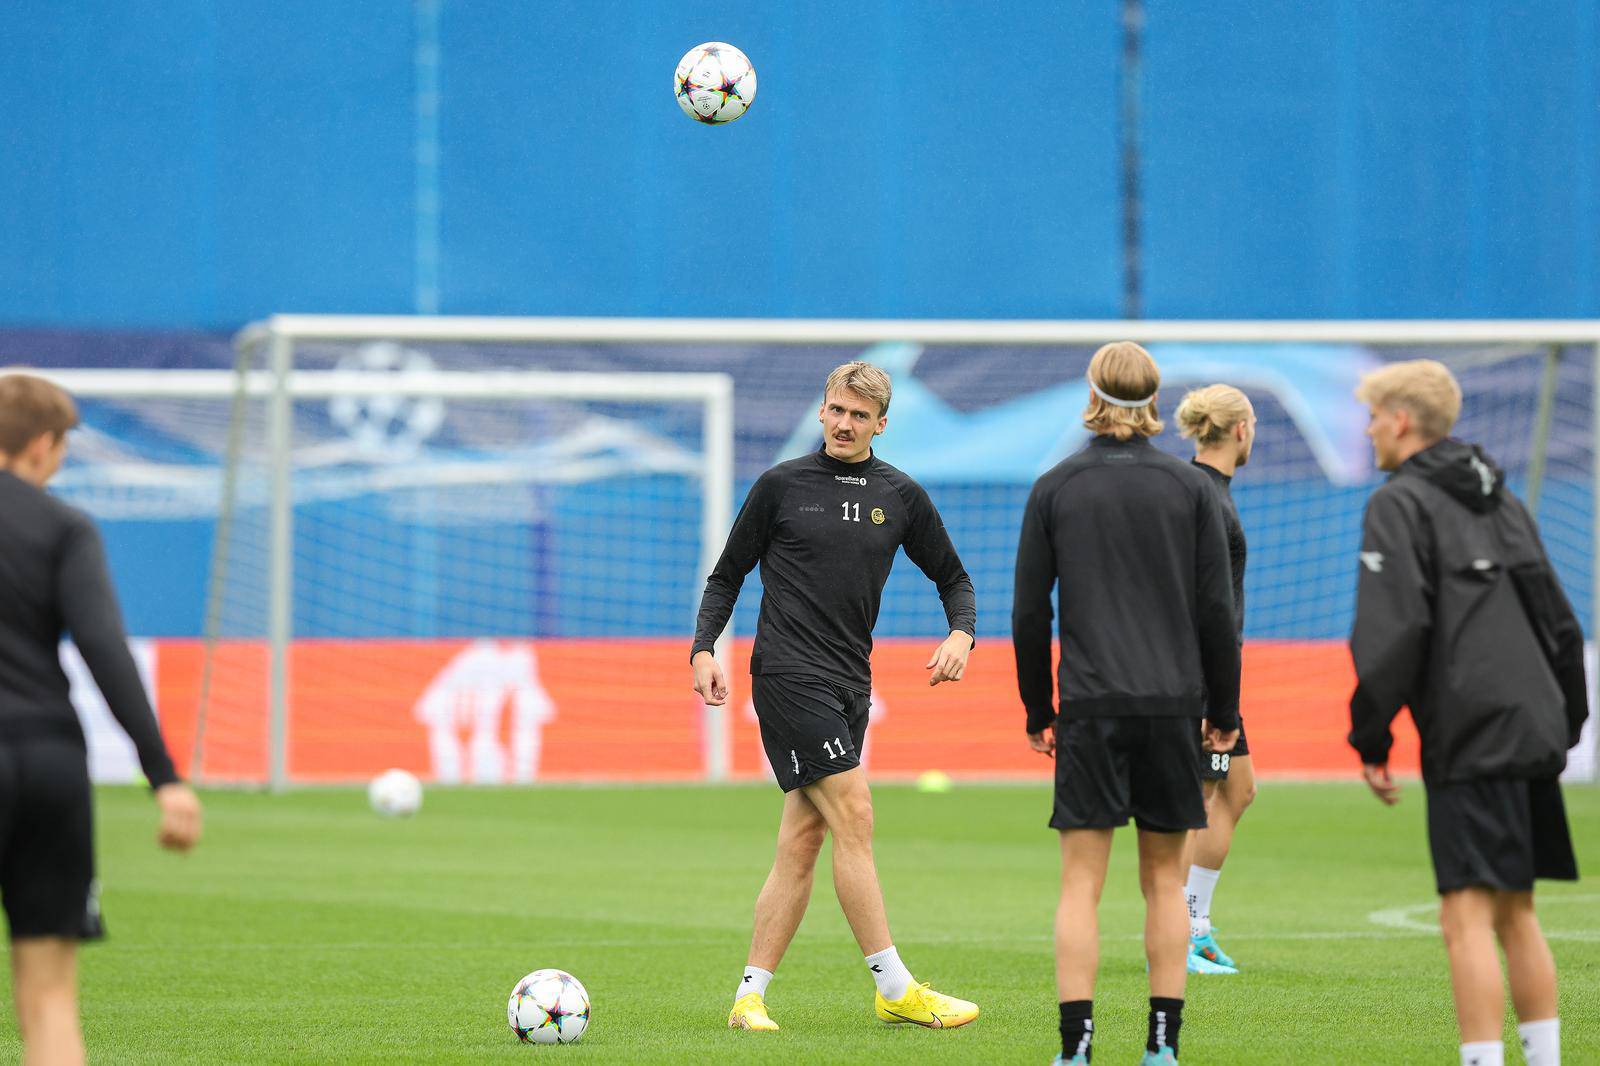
<point>810,727</point>
<point>1499,833</point>
<point>1111,769</point>
<point>1214,766</point>
<point>47,841</point>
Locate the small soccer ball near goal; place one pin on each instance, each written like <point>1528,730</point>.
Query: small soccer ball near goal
<point>395,794</point>
<point>548,1007</point>
<point>714,83</point>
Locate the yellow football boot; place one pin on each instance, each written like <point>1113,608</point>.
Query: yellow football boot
<point>750,1012</point>
<point>923,1006</point>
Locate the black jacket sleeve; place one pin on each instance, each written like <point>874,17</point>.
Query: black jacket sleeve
<point>1032,612</point>
<point>89,610</point>
<point>1394,621</point>
<point>747,542</point>
<point>927,543</point>
<point>1214,614</point>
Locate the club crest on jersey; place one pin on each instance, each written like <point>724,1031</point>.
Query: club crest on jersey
<point>877,516</point>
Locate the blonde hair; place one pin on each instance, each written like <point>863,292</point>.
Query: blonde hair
<point>30,406</point>
<point>1123,371</point>
<point>1423,387</point>
<point>863,379</point>
<point>1208,416</point>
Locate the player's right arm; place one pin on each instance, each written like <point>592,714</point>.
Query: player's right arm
<point>91,615</point>
<point>1394,622</point>
<point>747,542</point>
<point>1031,616</point>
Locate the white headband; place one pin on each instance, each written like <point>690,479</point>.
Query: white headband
<point>1114,402</point>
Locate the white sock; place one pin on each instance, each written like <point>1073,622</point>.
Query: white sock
<point>1541,1042</point>
<point>1197,893</point>
<point>755,980</point>
<point>1484,1053</point>
<point>890,973</point>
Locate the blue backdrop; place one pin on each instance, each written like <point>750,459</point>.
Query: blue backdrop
<point>200,163</point>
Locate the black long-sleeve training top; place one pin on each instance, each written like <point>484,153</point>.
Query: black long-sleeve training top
<point>54,581</point>
<point>825,533</point>
<point>1136,540</point>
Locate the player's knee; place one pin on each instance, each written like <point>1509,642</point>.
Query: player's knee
<point>1246,796</point>
<point>1159,882</point>
<point>1459,918</point>
<point>855,823</point>
<point>1514,914</point>
<point>805,842</point>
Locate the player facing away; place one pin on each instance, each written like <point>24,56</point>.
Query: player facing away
<point>1222,423</point>
<point>824,528</point>
<point>1136,541</point>
<point>53,582</point>
<point>1459,616</point>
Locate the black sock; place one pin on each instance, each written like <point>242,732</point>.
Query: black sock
<point>1077,1028</point>
<point>1166,1018</point>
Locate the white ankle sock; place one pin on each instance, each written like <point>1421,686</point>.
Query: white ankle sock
<point>1197,893</point>
<point>1541,1042</point>
<point>890,973</point>
<point>755,980</point>
<point>1484,1053</point>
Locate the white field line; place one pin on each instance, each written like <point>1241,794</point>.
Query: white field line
<point>1421,918</point>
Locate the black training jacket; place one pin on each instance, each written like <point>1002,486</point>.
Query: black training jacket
<point>1459,615</point>
<point>825,533</point>
<point>53,582</point>
<point>1135,540</point>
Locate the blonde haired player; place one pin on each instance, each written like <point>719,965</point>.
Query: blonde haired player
<point>1222,423</point>
<point>1134,539</point>
<point>825,528</point>
<point>1460,616</point>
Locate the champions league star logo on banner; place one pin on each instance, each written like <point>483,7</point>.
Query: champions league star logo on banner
<point>387,426</point>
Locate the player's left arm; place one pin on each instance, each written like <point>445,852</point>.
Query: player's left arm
<point>927,543</point>
<point>89,608</point>
<point>1551,612</point>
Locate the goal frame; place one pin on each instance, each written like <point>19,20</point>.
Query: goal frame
<point>273,340</point>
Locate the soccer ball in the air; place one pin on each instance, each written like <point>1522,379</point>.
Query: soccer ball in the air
<point>715,83</point>
<point>548,1007</point>
<point>395,793</point>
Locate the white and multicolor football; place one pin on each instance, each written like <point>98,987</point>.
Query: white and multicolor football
<point>714,83</point>
<point>548,1007</point>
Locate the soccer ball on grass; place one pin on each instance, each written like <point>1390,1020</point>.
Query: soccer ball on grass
<point>395,794</point>
<point>548,1007</point>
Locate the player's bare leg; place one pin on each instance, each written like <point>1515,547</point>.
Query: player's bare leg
<point>1085,854</point>
<point>846,804</point>
<point>1531,970</point>
<point>779,908</point>
<point>45,987</point>
<point>1226,802</point>
<point>1467,918</point>
<point>783,899</point>
<point>1166,921</point>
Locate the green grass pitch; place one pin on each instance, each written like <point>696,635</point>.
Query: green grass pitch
<point>308,930</point>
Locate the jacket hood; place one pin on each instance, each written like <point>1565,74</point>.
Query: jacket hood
<point>1463,470</point>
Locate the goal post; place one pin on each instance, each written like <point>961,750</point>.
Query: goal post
<point>375,475</point>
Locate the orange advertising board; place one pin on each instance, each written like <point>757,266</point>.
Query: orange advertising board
<point>490,711</point>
